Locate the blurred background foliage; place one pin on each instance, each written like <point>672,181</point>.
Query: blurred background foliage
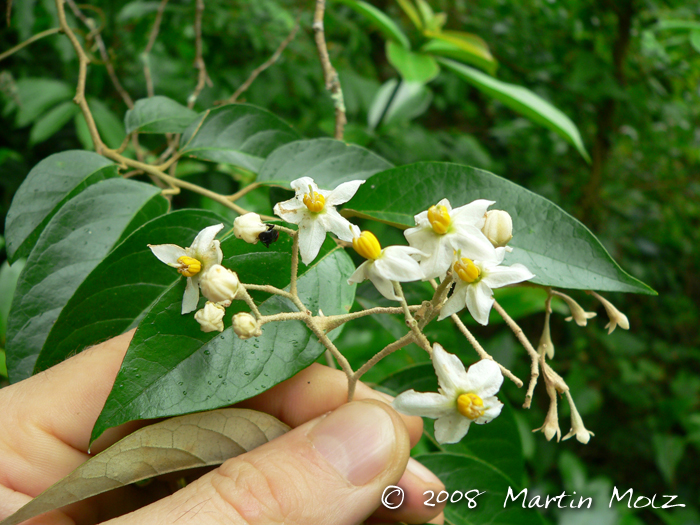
<point>627,73</point>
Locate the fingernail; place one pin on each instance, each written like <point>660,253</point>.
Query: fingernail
<point>422,473</point>
<point>357,439</point>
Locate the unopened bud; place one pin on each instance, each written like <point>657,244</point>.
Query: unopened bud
<point>246,326</point>
<point>211,317</point>
<point>578,314</point>
<point>248,227</point>
<point>498,227</point>
<point>617,318</point>
<point>219,285</point>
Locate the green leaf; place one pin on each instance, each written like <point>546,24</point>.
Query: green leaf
<point>413,67</point>
<point>202,371</point>
<point>473,56</point>
<point>8,282</point>
<point>523,101</point>
<point>411,12</point>
<point>426,12</point>
<point>48,186</point>
<point>406,102</point>
<point>237,134</point>
<point>694,38</point>
<point>122,288</point>
<point>109,125</point>
<point>52,121</point>
<point>36,95</point>
<point>677,24</point>
<point>497,443</point>
<point>386,25</point>
<point>329,162</point>
<point>462,473</point>
<point>3,365</point>
<point>158,115</point>
<point>556,247</point>
<point>76,239</point>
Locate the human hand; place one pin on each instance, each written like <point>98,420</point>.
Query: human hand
<point>331,468</point>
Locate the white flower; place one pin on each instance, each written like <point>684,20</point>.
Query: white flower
<point>577,428</point>
<point>616,316</point>
<point>211,317</point>
<point>246,326</point>
<point>578,314</point>
<point>190,262</point>
<point>475,281</point>
<point>314,211</point>
<point>440,231</point>
<point>219,285</point>
<point>498,227</point>
<point>463,397</point>
<point>248,227</point>
<point>393,263</point>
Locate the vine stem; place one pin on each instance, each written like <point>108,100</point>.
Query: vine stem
<point>419,336</point>
<point>295,265</point>
<point>388,349</point>
<point>199,63</point>
<point>30,40</point>
<point>149,46</point>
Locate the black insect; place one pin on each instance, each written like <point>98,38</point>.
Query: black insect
<point>269,236</point>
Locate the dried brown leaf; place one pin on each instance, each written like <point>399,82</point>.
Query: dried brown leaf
<point>185,442</point>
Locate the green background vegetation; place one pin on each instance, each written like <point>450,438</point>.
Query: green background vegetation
<point>626,72</point>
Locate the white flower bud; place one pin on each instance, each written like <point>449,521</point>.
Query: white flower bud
<point>219,285</point>
<point>246,326</point>
<point>211,317</point>
<point>248,227</point>
<point>498,227</point>
<point>578,314</point>
<point>617,318</point>
<point>583,435</point>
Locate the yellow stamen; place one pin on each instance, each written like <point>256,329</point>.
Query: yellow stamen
<point>467,270</point>
<point>190,266</point>
<point>367,245</point>
<point>470,405</point>
<point>314,201</point>
<point>439,218</point>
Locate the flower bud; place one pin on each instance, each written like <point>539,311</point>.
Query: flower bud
<point>498,227</point>
<point>246,326</point>
<point>211,317</point>
<point>248,227</point>
<point>219,285</point>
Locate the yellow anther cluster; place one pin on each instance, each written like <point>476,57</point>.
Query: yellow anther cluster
<point>190,266</point>
<point>467,270</point>
<point>314,201</point>
<point>367,245</point>
<point>439,218</point>
<point>470,405</point>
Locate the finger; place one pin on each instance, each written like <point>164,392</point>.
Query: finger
<point>314,391</point>
<point>330,470</point>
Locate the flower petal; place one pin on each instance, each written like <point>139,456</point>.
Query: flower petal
<point>202,242</point>
<point>292,211</point>
<point>343,193</point>
<point>493,410</point>
<point>191,297</point>
<point>382,284</point>
<point>471,242</point>
<point>449,370</point>
<point>428,404</point>
<point>483,378</point>
<point>334,222</point>
<point>456,302</point>
<point>360,274</point>
<point>472,213</point>
<point>499,276</point>
<point>301,185</point>
<point>311,237</point>
<point>479,302</point>
<point>395,263</point>
<point>168,253</point>
<point>452,428</point>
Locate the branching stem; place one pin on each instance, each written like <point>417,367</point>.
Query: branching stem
<point>28,41</point>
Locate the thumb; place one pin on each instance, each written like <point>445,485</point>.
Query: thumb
<point>331,470</point>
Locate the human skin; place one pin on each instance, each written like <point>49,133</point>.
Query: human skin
<point>303,476</point>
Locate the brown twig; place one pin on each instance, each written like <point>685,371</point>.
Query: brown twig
<point>330,75</point>
<point>29,40</point>
<point>151,41</point>
<point>199,64</point>
<point>262,67</point>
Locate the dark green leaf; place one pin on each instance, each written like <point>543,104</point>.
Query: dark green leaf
<point>556,247</point>
<point>109,125</point>
<point>413,67</point>
<point>462,473</point>
<point>411,12</point>
<point>122,288</point>
<point>201,371</point>
<point>329,162</point>
<point>36,95</point>
<point>695,39</point>
<point>523,101</point>
<point>407,101</point>
<point>237,134</point>
<point>76,239</point>
<point>386,25</point>
<point>8,282</point>
<point>158,115</point>
<point>49,185</point>
<point>3,366</point>
<point>52,121</point>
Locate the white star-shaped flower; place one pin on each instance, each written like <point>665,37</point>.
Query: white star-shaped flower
<point>314,211</point>
<point>393,263</point>
<point>192,262</point>
<point>440,231</point>
<point>475,281</point>
<point>464,397</point>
